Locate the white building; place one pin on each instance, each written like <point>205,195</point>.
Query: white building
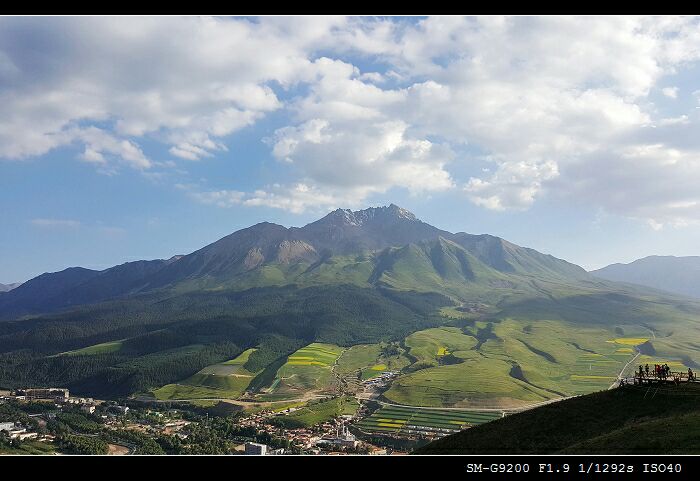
<point>255,449</point>
<point>7,426</point>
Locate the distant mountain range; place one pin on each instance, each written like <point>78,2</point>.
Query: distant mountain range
<point>680,275</point>
<point>383,246</point>
<point>9,287</point>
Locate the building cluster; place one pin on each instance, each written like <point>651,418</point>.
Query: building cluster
<point>29,394</point>
<point>17,431</point>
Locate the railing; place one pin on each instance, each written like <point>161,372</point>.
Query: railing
<point>671,376</point>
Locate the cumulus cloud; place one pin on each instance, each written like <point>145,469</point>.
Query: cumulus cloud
<point>185,81</point>
<point>557,106</point>
<point>670,92</point>
<point>552,106</point>
<point>295,198</point>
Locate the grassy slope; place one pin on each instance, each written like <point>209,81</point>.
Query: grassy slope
<point>307,369</point>
<point>319,412</point>
<point>366,361</point>
<point>617,421</point>
<point>102,348</point>
<point>228,379</point>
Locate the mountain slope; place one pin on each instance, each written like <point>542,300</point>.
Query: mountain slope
<point>76,286</point>
<point>669,273</point>
<point>611,422</point>
<point>363,277</point>
<point>382,246</point>
<point>43,292</point>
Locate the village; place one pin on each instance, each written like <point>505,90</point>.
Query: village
<point>98,419</point>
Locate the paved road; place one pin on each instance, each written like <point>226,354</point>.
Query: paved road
<point>619,376</point>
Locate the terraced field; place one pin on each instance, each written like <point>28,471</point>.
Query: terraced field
<point>226,380</point>
<point>404,420</point>
<point>307,370</point>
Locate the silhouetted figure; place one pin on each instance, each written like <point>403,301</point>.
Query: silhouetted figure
<point>646,368</point>
<point>690,374</point>
<point>667,370</point>
<point>641,371</point>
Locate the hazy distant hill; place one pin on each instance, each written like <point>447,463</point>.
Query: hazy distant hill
<point>673,274</point>
<point>9,287</point>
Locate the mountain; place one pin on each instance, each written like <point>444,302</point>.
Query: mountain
<point>371,277</point>
<point>669,273</point>
<point>9,287</point>
<point>385,246</point>
<point>618,421</point>
<point>75,286</point>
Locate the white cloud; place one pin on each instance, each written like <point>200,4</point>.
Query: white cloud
<point>670,92</point>
<point>186,81</point>
<point>547,100</point>
<point>294,198</point>
<point>50,223</point>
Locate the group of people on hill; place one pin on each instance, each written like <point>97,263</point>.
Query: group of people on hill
<point>661,371</point>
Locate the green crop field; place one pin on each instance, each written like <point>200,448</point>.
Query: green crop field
<point>509,363</point>
<point>366,361</point>
<point>309,369</point>
<point>405,420</point>
<point>225,380</point>
<point>103,348</point>
<point>318,412</point>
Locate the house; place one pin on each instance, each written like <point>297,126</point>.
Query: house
<point>7,426</point>
<point>255,449</point>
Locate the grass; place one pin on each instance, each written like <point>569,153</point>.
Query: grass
<point>31,446</point>
<point>306,370</point>
<point>318,413</point>
<point>508,363</point>
<point>621,421</point>
<point>225,380</point>
<point>366,361</point>
<point>103,348</point>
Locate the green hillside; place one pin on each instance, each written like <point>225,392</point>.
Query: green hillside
<point>468,321</point>
<point>626,420</point>
<point>228,379</point>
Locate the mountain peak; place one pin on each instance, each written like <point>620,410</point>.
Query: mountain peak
<point>360,217</point>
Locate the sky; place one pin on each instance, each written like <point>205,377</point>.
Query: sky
<point>146,137</point>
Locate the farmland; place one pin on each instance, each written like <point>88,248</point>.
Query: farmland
<point>406,420</point>
<point>228,379</point>
<point>307,370</point>
<point>366,361</point>
<point>319,412</point>
<point>509,363</point>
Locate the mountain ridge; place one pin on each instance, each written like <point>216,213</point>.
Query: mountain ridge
<point>342,246</point>
<point>675,274</point>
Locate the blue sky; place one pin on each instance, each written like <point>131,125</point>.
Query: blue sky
<point>125,139</point>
